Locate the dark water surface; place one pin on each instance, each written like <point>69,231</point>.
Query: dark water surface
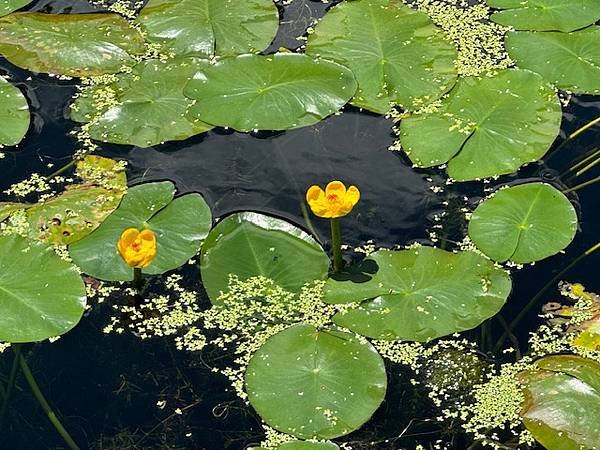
<point>106,387</point>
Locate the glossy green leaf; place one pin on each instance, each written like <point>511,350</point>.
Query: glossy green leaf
<point>8,6</point>
<point>274,92</point>
<point>306,445</point>
<point>69,44</point>
<point>419,294</point>
<point>398,56</point>
<point>562,408</point>
<point>315,383</point>
<point>14,114</point>
<point>41,295</point>
<point>523,223</point>
<point>250,244</point>
<point>571,61</point>
<point>210,27</point>
<point>487,126</point>
<point>180,226</point>
<point>150,109</point>
<point>546,15</point>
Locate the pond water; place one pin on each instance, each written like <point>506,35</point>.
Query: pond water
<point>106,387</point>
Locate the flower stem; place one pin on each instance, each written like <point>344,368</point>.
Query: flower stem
<point>137,280</point>
<point>11,383</point>
<point>574,135</point>
<point>336,245</point>
<point>582,185</point>
<point>35,389</point>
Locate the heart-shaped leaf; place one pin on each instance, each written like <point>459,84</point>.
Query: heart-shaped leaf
<point>69,44</point>
<point>419,294</point>
<point>150,109</point>
<point>523,223</point>
<point>487,126</point>
<point>285,91</point>
<point>250,244</point>
<point>180,226</point>
<point>14,114</point>
<point>315,383</point>
<point>41,295</point>
<point>398,56</point>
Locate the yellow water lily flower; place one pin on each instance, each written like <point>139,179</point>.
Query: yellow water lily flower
<point>334,201</point>
<point>137,248</point>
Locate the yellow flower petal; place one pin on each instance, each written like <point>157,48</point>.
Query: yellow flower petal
<point>138,249</point>
<point>335,188</point>
<point>353,195</point>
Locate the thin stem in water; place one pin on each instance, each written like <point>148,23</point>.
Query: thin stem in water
<point>12,378</point>
<point>573,135</point>
<point>336,245</point>
<point>582,185</point>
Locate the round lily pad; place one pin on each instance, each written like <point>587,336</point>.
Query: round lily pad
<point>562,407</point>
<point>41,295</point>
<point>487,126</point>
<point>570,61</point>
<point>250,244</point>
<point>180,226</point>
<point>150,109</point>
<point>546,15</point>
<point>14,114</point>
<point>418,294</point>
<point>523,223</point>
<point>315,383</point>
<point>274,92</point>
<point>210,27</point>
<point>8,6</point>
<point>69,44</point>
<point>398,56</point>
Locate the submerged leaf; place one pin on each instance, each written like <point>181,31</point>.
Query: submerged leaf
<point>398,56</point>
<point>14,114</point>
<point>418,294</point>
<point>150,106</point>
<point>486,126</point>
<point>69,44</point>
<point>570,61</point>
<point>275,92</point>
<point>210,27</point>
<point>334,381</point>
<point>523,223</point>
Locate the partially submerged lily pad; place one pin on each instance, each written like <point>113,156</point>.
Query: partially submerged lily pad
<point>570,61</point>
<point>285,91</point>
<point>306,445</point>
<point>8,6</point>
<point>14,114</point>
<point>180,225</point>
<point>523,223</point>
<point>562,408</point>
<point>250,244</point>
<point>546,15</point>
<point>486,126</point>
<point>210,27</point>
<point>149,108</point>
<point>69,44</point>
<point>418,294</point>
<point>398,56</point>
<point>41,295</point>
<point>315,383</point>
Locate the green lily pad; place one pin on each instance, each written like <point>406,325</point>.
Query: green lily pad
<point>546,15</point>
<point>562,407</point>
<point>285,91</point>
<point>306,445</point>
<point>523,223</point>
<point>571,61</point>
<point>69,44</point>
<point>210,27</point>
<point>180,226</point>
<point>150,109</point>
<point>8,6</point>
<point>14,114</point>
<point>249,244</point>
<point>315,383</point>
<point>398,56</point>
<point>419,294</point>
<point>41,295</point>
<point>486,127</point>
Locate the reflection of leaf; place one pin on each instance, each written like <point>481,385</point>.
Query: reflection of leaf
<point>69,44</point>
<point>41,295</point>
<point>14,114</point>
<point>335,381</point>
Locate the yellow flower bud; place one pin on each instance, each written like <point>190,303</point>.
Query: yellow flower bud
<point>137,249</point>
<point>334,201</point>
